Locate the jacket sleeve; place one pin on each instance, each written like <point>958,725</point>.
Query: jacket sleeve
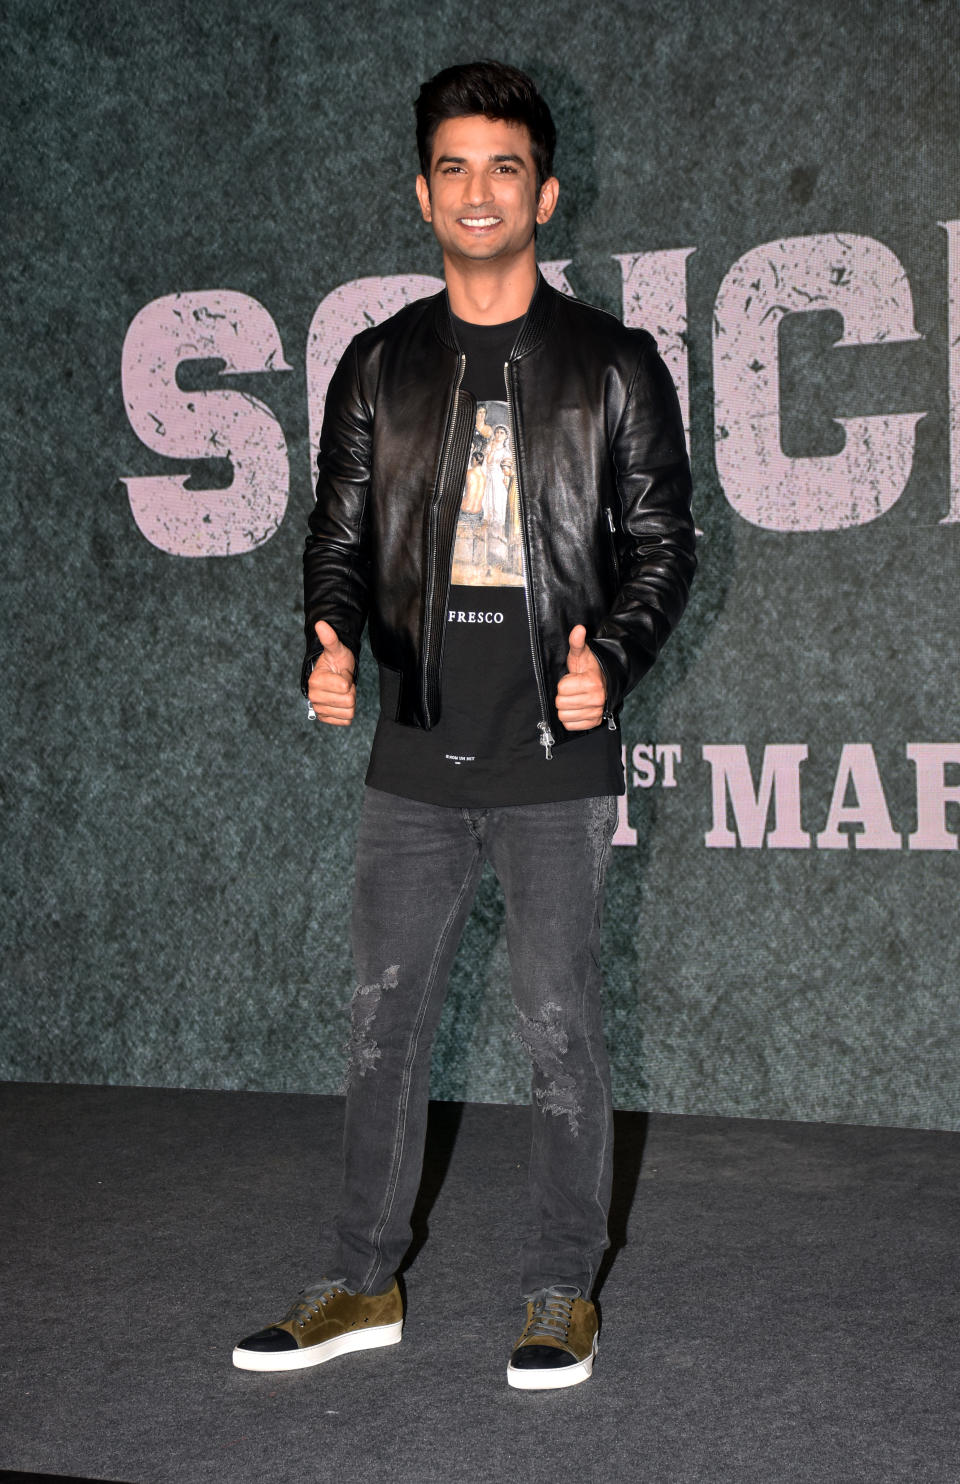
<point>654,535</point>
<point>336,557</point>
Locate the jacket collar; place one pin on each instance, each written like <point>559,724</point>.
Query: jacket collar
<point>532,330</point>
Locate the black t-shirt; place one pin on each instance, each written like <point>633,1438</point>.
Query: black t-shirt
<point>485,749</point>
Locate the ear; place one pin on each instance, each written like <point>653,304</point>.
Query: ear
<point>549,192</point>
<point>423,196</point>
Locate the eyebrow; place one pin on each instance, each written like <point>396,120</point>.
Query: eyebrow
<point>491,159</point>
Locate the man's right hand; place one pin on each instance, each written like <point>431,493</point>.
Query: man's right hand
<point>331,689</point>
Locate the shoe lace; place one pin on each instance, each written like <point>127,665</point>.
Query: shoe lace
<point>552,1313</point>
<point>311,1300</point>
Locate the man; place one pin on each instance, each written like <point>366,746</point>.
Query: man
<point>498,736</point>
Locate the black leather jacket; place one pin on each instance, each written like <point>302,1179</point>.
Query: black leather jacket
<point>604,485</point>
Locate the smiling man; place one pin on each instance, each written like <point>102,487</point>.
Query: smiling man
<point>500,437</point>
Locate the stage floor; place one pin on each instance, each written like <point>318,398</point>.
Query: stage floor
<point>784,1304</point>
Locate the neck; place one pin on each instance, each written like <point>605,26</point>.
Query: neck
<point>490,293</point>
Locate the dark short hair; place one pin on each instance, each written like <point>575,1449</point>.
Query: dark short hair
<point>495,90</point>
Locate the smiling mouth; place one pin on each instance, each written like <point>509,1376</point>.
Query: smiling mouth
<point>479,221</point>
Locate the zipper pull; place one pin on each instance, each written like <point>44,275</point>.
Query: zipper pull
<point>611,720</point>
<point>609,514</point>
<point>546,739</point>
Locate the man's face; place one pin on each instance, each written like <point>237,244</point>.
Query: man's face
<point>482,199</point>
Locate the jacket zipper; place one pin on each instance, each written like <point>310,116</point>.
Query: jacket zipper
<point>438,496</point>
<point>547,739</point>
<point>608,715</point>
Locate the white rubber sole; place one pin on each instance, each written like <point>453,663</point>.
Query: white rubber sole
<point>297,1360</point>
<point>552,1380</point>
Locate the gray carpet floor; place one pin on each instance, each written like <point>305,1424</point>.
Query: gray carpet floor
<point>781,1304</point>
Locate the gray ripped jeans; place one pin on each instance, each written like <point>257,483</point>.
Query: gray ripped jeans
<point>418,866</point>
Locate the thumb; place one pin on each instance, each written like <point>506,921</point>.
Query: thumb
<point>577,641</point>
<point>336,654</point>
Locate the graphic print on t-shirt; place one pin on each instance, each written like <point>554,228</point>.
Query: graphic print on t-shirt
<point>488,550</point>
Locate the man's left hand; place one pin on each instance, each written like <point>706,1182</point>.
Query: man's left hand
<point>582,692</point>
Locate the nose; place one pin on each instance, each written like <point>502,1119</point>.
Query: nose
<point>476,188</point>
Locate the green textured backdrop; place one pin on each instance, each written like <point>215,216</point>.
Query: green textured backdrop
<point>178,840</point>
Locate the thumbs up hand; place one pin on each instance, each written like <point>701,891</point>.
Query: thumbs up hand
<point>582,692</point>
<point>331,689</point>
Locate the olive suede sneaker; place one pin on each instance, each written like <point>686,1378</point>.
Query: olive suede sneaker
<point>558,1343</point>
<point>326,1320</point>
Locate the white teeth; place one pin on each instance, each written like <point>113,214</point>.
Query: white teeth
<point>479,221</point>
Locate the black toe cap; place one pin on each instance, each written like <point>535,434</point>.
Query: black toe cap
<point>540,1358</point>
<point>269,1341</point>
